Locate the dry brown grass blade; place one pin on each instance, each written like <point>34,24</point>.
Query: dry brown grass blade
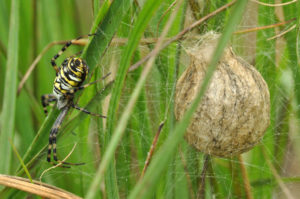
<point>282,33</point>
<point>264,27</point>
<point>276,4</point>
<point>164,14</point>
<point>276,175</point>
<point>246,181</point>
<point>82,42</point>
<point>37,188</point>
<point>152,148</point>
<point>181,34</point>
<point>120,40</point>
<point>202,179</point>
<point>187,175</point>
<point>59,163</point>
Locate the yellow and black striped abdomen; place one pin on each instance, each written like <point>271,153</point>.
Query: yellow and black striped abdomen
<point>71,74</point>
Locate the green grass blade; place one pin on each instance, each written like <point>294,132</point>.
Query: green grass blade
<point>94,52</point>
<point>4,23</point>
<point>265,63</point>
<point>42,136</point>
<point>168,64</point>
<point>20,160</point>
<point>73,123</point>
<point>105,32</point>
<point>9,103</point>
<point>146,186</point>
<point>101,13</point>
<point>124,37</point>
<point>40,140</point>
<point>292,11</point>
<point>140,123</point>
<point>135,35</point>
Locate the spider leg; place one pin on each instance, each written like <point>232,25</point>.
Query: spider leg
<point>76,54</point>
<point>86,111</point>
<point>46,99</point>
<point>53,133</point>
<point>52,139</point>
<point>73,90</point>
<point>68,44</point>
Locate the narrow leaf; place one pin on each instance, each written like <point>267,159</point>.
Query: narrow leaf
<point>145,187</point>
<point>9,103</point>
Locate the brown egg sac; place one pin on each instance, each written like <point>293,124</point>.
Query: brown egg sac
<point>234,112</point>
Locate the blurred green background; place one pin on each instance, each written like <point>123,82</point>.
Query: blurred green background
<point>126,32</point>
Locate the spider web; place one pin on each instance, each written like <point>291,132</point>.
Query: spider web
<point>188,167</point>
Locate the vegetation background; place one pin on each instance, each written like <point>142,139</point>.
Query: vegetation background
<point>115,149</point>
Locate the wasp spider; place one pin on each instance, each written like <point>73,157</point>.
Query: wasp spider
<point>69,78</point>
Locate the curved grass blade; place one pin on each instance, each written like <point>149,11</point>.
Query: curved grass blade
<point>20,159</point>
<point>40,142</point>
<point>108,156</point>
<point>94,102</point>
<point>144,17</point>
<point>146,187</point>
<point>101,13</point>
<point>135,35</point>
<point>41,138</point>
<point>105,32</point>
<point>95,51</point>
<point>265,58</point>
